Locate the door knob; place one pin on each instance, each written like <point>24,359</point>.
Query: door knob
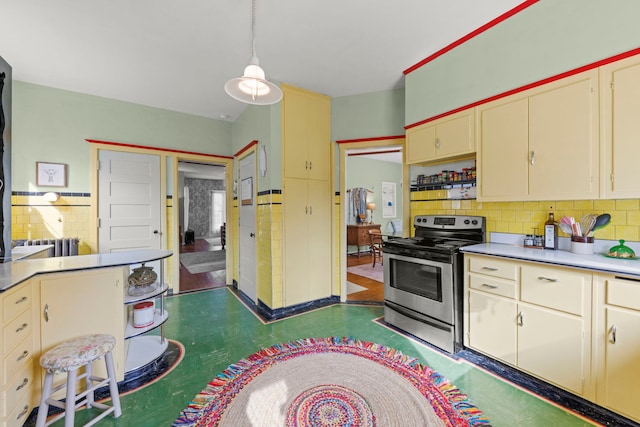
<point>159,233</point>
<point>252,235</point>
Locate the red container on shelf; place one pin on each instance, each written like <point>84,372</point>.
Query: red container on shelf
<point>143,314</point>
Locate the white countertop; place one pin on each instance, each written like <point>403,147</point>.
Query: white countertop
<point>595,262</point>
<point>13,273</point>
<point>21,252</point>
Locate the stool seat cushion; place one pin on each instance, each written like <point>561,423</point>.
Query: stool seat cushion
<point>76,352</point>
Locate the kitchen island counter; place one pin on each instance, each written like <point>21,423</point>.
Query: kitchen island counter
<point>14,273</point>
<point>595,262</point>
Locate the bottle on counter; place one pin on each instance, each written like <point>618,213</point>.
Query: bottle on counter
<point>550,233</point>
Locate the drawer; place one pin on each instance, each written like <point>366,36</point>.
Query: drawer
<point>492,285</point>
<point>19,390</point>
<point>20,413</point>
<point>623,293</point>
<point>494,267</point>
<point>558,288</point>
<point>17,330</point>
<point>17,359</point>
<point>16,302</point>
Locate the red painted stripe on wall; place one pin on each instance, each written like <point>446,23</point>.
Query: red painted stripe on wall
<point>472,34</point>
<point>377,138</point>
<point>145,147</point>
<point>246,147</point>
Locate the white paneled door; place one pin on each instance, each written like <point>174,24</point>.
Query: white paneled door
<point>129,208</point>
<point>247,198</point>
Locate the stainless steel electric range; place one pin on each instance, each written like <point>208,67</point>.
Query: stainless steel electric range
<point>423,278</point>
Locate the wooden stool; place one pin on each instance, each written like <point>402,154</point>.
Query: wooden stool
<point>69,357</point>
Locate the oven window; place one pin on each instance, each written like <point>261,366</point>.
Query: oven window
<point>419,279</point>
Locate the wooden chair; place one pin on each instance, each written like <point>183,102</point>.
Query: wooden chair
<point>375,243</point>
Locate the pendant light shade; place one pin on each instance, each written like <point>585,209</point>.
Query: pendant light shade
<point>253,87</point>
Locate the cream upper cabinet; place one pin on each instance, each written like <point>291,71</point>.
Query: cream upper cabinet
<point>620,128</point>
<point>449,137</point>
<point>541,144</point>
<point>618,344</point>
<point>306,134</point>
<point>521,313</point>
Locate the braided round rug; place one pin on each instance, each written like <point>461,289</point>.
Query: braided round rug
<point>327,382</point>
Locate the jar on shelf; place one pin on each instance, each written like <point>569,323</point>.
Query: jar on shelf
<point>142,280</point>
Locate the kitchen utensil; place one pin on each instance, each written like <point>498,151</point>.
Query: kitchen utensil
<point>566,228</point>
<point>566,220</point>
<point>587,223</point>
<point>602,220</point>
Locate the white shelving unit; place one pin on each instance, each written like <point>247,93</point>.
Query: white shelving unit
<point>144,349</point>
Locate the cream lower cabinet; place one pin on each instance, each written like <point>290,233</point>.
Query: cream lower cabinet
<point>307,240</point>
<point>20,368</point>
<point>531,316</point>
<point>618,345</point>
<point>79,303</point>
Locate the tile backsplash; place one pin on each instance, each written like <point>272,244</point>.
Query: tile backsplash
<point>529,217</point>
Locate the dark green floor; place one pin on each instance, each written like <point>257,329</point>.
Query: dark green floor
<point>217,330</point>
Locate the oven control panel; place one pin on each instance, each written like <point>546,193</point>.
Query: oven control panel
<point>449,222</point>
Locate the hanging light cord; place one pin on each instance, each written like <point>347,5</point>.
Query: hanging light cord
<point>253,29</point>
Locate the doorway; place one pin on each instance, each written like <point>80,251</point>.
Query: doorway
<point>362,278</point>
<point>202,225</point>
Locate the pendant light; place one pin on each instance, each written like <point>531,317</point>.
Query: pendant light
<point>252,87</point>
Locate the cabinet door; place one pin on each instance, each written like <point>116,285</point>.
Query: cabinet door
<point>454,135</point>
<point>306,134</point>
<point>295,115</point>
<point>550,345</point>
<point>620,109</point>
<point>622,371</point>
<point>503,150</point>
<point>421,143</point>
<point>563,139</point>
<point>319,136</point>
<point>319,240</point>
<point>492,326</point>
<point>86,302</point>
<point>296,259</point>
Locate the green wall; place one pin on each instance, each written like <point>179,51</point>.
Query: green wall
<point>52,125</point>
<point>369,173</point>
<point>545,39</point>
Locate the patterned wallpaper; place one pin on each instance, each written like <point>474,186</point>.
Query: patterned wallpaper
<point>200,203</point>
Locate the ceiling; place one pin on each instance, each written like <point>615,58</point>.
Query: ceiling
<point>177,55</point>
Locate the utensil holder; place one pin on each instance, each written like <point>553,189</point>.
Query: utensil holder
<point>582,245</point>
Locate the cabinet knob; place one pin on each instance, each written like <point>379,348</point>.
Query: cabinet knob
<point>532,157</point>
<point>21,328</point>
<point>46,312</point>
<point>547,279</point>
<point>157,232</point>
<point>614,330</point>
<point>490,268</point>
<point>437,143</point>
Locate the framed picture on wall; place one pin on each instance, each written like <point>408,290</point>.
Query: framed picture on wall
<point>51,174</point>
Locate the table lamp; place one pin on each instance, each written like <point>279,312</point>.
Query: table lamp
<point>371,207</point>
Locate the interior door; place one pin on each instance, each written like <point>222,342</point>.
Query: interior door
<point>129,208</point>
<point>247,237</point>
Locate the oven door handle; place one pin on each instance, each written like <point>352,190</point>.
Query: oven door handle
<point>413,260</point>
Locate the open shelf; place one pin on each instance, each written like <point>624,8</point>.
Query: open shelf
<point>144,350</point>
<point>158,319</point>
<point>159,290</point>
